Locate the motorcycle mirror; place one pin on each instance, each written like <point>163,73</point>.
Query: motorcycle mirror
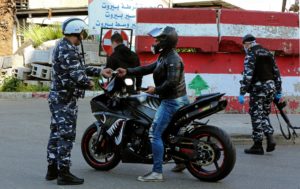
<point>110,86</point>
<point>128,82</point>
<point>102,84</point>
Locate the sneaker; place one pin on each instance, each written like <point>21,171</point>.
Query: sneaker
<point>178,168</point>
<point>151,177</point>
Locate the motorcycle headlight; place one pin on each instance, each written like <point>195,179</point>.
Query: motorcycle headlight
<point>128,82</point>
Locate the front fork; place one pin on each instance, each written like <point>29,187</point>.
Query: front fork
<point>100,131</point>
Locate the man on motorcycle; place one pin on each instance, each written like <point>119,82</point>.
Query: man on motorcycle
<point>69,81</point>
<point>168,75</point>
<point>261,78</point>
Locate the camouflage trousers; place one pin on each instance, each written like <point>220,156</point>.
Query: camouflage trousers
<point>63,132</point>
<point>261,98</point>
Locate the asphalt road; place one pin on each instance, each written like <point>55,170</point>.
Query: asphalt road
<point>24,131</point>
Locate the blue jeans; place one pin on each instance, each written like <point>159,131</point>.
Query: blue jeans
<point>161,120</point>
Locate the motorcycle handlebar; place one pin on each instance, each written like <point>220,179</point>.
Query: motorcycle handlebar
<point>144,88</point>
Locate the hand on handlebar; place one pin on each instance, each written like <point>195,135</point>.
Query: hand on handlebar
<point>150,90</point>
<point>121,72</point>
<point>143,89</point>
<point>107,72</point>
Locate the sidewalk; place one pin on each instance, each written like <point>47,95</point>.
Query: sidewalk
<point>30,95</point>
<point>238,126</point>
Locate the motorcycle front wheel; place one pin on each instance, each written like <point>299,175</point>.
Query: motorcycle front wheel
<point>215,154</point>
<point>103,155</point>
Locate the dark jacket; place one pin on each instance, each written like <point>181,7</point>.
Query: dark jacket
<point>123,57</point>
<point>168,75</point>
<point>259,65</point>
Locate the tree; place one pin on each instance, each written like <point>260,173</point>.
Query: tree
<point>7,18</point>
<point>295,7</point>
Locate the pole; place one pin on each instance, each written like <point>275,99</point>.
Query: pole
<point>283,6</point>
<point>170,3</point>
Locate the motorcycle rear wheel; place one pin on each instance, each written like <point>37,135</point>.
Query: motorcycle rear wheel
<point>216,154</point>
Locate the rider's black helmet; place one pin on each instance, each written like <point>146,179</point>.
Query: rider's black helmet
<point>166,36</point>
<point>248,38</point>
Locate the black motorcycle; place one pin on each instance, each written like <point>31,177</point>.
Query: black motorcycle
<point>122,126</point>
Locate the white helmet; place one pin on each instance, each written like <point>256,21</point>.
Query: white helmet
<point>73,26</point>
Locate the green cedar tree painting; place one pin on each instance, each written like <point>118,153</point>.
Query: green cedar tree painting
<point>198,84</point>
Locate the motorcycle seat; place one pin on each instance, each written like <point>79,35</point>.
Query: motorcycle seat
<point>201,100</point>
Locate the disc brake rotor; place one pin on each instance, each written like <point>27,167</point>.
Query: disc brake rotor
<point>94,150</point>
<point>206,154</point>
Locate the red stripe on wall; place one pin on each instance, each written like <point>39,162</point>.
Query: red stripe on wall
<point>259,18</point>
<point>176,16</point>
<point>227,44</point>
<point>233,106</point>
<point>284,46</point>
<point>206,16</point>
<point>205,44</point>
<point>223,63</point>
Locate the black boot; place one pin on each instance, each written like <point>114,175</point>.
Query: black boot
<point>179,167</point>
<point>67,178</point>
<point>52,172</point>
<point>255,149</point>
<point>270,143</point>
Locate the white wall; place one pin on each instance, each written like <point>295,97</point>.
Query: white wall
<point>54,19</point>
<point>35,4</point>
<point>263,5</point>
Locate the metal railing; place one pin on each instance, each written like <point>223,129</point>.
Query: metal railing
<point>22,4</point>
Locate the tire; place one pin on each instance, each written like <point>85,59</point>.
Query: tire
<point>108,150</point>
<point>219,153</point>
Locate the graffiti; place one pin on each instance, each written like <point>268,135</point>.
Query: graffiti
<point>198,84</point>
<point>187,50</point>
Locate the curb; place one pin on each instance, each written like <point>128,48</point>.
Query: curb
<point>239,139</point>
<point>32,95</point>
<point>14,95</point>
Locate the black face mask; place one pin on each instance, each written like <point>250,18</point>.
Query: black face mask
<point>156,48</point>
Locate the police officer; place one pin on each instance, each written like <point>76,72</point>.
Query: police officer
<point>123,57</point>
<point>69,81</point>
<point>168,75</point>
<point>261,78</point>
